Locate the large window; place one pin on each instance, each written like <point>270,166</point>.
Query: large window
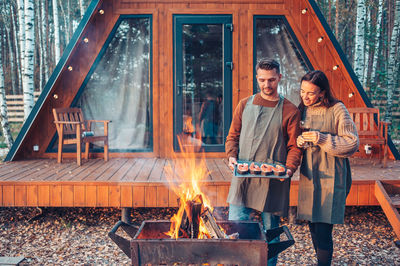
<point>202,79</point>
<point>273,38</point>
<point>118,88</point>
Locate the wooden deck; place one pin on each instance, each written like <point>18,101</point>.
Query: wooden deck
<point>141,182</point>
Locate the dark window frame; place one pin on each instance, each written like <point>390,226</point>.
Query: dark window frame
<point>178,21</point>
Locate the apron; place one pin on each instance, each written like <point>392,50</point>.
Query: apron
<point>261,140</point>
<point>325,180</point>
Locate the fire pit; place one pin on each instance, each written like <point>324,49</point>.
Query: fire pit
<point>193,236</point>
<point>150,245</point>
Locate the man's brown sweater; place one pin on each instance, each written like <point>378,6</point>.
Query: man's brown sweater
<point>290,128</point>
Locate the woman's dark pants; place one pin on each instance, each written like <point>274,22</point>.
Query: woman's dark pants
<point>321,235</point>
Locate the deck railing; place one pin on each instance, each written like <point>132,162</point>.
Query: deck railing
<point>15,106</point>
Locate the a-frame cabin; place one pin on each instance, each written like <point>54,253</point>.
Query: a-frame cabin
<point>149,66</point>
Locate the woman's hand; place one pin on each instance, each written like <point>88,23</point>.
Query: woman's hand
<point>310,136</point>
<point>232,163</point>
<point>300,141</point>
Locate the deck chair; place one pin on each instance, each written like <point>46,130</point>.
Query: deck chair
<point>73,129</point>
<point>369,132</point>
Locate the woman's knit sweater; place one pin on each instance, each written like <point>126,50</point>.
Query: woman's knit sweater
<point>345,142</point>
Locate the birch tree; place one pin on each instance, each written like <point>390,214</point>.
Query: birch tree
<point>57,43</point>
<point>66,19</point>
<point>40,36</point>
<point>68,28</point>
<point>28,76</point>
<point>392,64</point>
<point>337,18</point>
<point>81,9</point>
<point>360,40</point>
<point>378,31</point>
<point>44,42</point>
<point>3,106</point>
<point>42,24</point>
<point>21,39</point>
<point>17,68</point>
<point>7,19</point>
<point>366,51</point>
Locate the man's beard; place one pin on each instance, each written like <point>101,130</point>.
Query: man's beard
<point>270,91</point>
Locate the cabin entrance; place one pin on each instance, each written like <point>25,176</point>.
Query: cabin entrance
<point>202,79</point>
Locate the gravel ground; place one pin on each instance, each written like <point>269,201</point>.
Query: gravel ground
<point>69,236</point>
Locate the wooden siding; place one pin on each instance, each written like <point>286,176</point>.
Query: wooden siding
<point>307,28</point>
<point>141,182</point>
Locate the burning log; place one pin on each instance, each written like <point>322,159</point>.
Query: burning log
<point>211,225</point>
<point>191,219</point>
<point>198,222</point>
<point>194,218</point>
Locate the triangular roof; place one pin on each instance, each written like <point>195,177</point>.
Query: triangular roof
<point>99,27</point>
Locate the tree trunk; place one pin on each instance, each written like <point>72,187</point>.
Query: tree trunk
<point>378,31</point>
<point>81,8</point>
<point>57,44</point>
<point>337,19</point>
<point>28,77</point>
<point>66,21</point>
<point>43,42</point>
<point>17,53</point>
<point>39,43</point>
<point>11,55</point>
<point>330,12</point>
<point>69,22</point>
<point>366,52</point>
<point>46,42</point>
<point>3,106</point>
<point>18,78</point>
<point>21,41</point>
<point>7,20</point>
<point>392,73</point>
<point>360,40</point>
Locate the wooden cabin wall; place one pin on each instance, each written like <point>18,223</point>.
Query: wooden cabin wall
<point>307,28</point>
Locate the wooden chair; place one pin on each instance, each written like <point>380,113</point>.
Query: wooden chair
<point>73,129</point>
<point>368,131</point>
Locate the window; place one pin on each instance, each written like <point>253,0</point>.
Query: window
<point>202,79</point>
<point>119,87</point>
<point>273,38</point>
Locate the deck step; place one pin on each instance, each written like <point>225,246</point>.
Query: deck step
<point>11,260</point>
<point>383,193</point>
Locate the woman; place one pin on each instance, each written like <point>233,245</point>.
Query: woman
<point>325,176</point>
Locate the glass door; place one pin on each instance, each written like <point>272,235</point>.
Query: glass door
<point>202,80</point>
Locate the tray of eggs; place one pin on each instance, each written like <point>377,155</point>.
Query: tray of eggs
<point>257,169</point>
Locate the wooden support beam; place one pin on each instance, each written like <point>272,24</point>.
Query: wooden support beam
<point>386,203</point>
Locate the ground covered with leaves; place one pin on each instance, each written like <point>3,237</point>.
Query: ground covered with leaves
<point>66,236</point>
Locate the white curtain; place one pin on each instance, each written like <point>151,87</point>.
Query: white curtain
<point>119,89</point>
<point>274,41</point>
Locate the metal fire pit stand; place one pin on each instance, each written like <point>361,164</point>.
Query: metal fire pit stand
<point>149,245</point>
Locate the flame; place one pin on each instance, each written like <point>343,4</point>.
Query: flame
<point>188,124</point>
<point>184,178</point>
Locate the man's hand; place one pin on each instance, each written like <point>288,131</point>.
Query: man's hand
<point>289,173</point>
<point>232,163</point>
<point>310,136</point>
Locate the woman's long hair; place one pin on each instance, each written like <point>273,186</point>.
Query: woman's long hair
<point>319,79</point>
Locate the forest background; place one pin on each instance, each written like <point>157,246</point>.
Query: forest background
<point>33,35</point>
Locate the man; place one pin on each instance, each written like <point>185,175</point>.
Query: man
<point>264,128</point>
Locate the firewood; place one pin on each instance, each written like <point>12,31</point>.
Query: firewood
<point>211,225</point>
<point>189,227</point>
